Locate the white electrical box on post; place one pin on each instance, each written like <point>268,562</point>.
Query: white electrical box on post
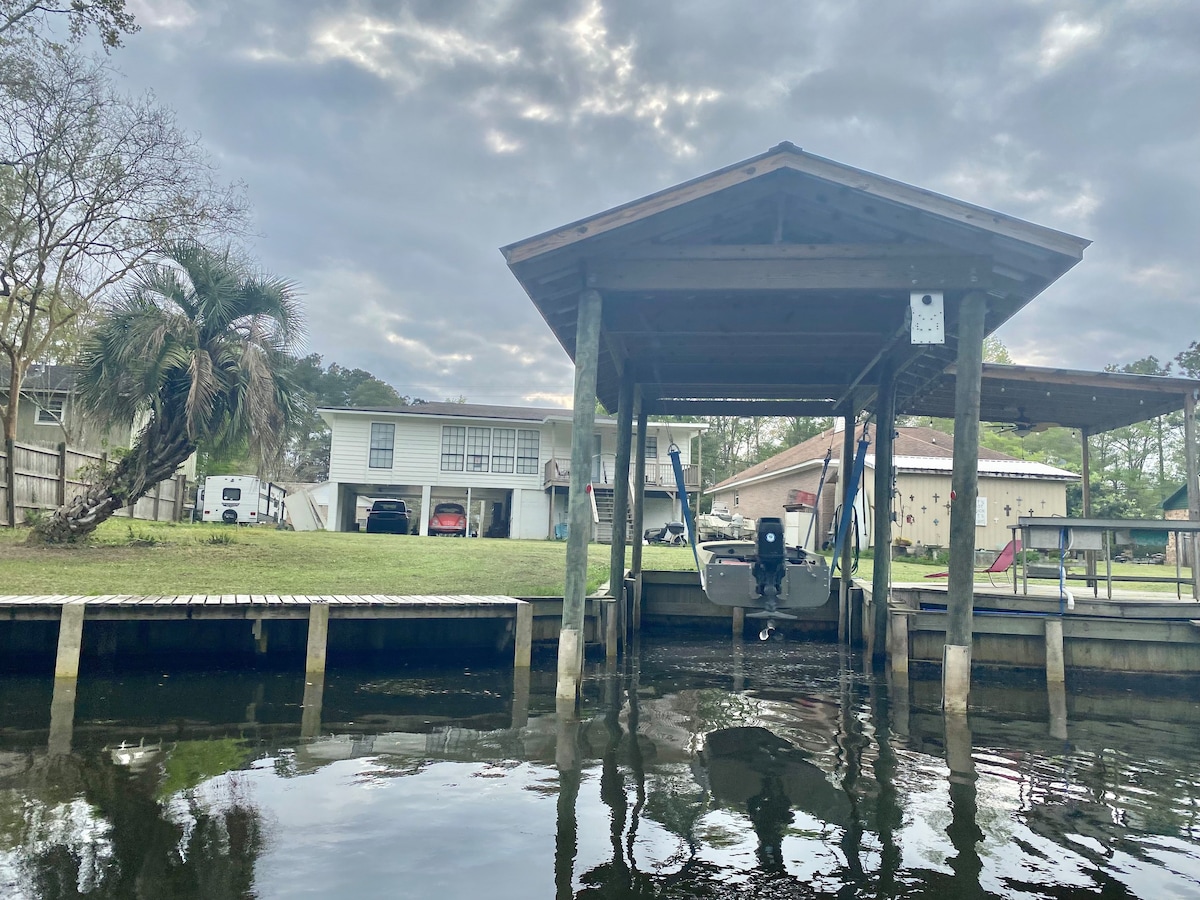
<point>928,317</point>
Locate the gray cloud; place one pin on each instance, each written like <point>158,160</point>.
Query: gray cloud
<point>391,148</point>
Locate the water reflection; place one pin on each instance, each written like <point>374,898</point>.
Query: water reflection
<point>696,769</point>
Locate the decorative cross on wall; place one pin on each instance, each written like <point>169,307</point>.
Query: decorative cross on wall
<point>911,498</point>
<point>1043,505</point>
<point>947,505</point>
<point>1018,501</point>
<point>1031,512</point>
<point>1007,510</point>
<point>923,509</point>
<point>935,498</point>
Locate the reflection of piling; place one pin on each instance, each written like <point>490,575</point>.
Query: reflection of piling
<point>739,661</point>
<point>889,812</point>
<point>963,830</point>
<point>850,745</point>
<point>520,707</point>
<point>1056,693</point>
<point>62,716</point>
<point>314,695</point>
<point>566,757</point>
<point>612,781</point>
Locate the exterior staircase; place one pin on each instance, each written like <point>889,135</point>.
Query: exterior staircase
<point>604,507</point>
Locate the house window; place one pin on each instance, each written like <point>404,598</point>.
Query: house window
<point>527,452</point>
<point>383,442</point>
<point>479,443</point>
<point>652,446</point>
<point>504,446</point>
<point>454,442</point>
<point>50,412</point>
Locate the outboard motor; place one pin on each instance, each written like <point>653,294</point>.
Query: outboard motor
<point>772,555</point>
<point>769,568</point>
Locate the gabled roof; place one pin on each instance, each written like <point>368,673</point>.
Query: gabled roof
<point>916,449</point>
<point>56,379</point>
<point>784,281</point>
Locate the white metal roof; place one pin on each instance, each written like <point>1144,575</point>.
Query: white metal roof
<point>1008,468</point>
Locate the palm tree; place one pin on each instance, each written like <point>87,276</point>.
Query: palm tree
<point>196,347</point>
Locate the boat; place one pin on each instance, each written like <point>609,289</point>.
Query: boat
<point>764,575</point>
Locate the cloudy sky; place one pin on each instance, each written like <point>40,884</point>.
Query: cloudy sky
<point>389,148</point>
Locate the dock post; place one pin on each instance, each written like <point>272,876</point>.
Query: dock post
<point>621,512</point>
<point>70,640</point>
<point>885,417</point>
<point>844,551</point>
<point>964,490</point>
<point>318,639</point>
<point>1192,466</point>
<point>1056,669</point>
<point>898,642</point>
<point>259,630</point>
<point>523,636</point>
<point>739,621</point>
<point>639,512</point>
<point>579,507</point>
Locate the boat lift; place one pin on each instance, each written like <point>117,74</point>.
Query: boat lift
<point>765,574</point>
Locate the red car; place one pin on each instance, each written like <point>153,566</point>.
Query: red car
<point>449,519</point>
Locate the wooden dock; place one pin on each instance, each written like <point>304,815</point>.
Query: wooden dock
<point>73,611</point>
<point>1140,633</point>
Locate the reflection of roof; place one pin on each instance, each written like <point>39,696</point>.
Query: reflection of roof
<point>917,449</point>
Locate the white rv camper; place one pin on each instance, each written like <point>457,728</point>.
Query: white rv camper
<point>240,499</point>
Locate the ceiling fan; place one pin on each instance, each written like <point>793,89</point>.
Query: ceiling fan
<point>1023,426</point>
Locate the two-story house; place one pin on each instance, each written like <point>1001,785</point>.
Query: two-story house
<point>509,467</point>
<point>48,412</point>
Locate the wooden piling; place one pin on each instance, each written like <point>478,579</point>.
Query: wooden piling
<point>523,636</point>
<point>739,621</point>
<point>881,579</point>
<point>845,466</point>
<point>314,697</point>
<point>964,489</point>
<point>616,576</point>
<point>897,639</point>
<point>62,716</point>
<point>639,512</point>
<point>1056,669</point>
<point>318,639</point>
<point>70,640</point>
<point>1193,487</point>
<point>579,510</point>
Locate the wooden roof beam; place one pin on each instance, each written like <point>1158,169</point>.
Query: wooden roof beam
<point>740,407</point>
<point>797,275</point>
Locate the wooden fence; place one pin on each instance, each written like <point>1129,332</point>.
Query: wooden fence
<point>44,478</point>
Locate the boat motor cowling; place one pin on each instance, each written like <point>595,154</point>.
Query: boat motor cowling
<point>771,559</point>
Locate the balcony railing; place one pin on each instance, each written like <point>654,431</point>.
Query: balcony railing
<point>659,475</point>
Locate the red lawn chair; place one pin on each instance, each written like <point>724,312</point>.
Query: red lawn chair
<point>1001,564</point>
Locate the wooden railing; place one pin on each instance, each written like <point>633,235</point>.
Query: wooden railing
<point>34,478</point>
<point>659,475</point>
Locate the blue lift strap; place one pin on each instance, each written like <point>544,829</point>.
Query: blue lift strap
<point>689,520</point>
<point>860,463</point>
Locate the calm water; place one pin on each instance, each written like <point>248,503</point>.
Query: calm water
<point>695,770</point>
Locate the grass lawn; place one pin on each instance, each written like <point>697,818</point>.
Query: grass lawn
<point>158,558</point>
